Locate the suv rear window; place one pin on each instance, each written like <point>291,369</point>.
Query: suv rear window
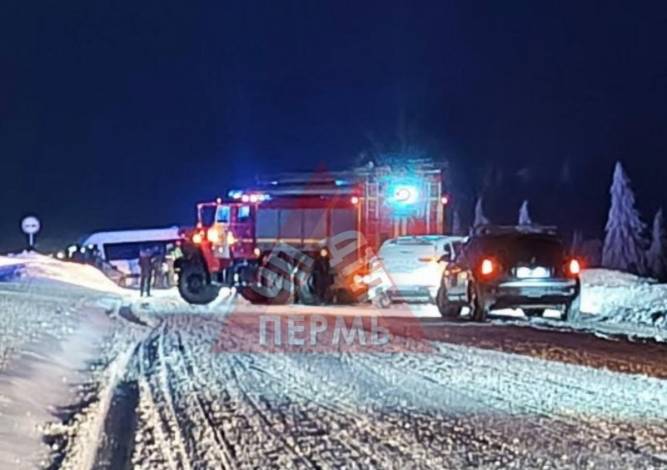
<point>520,249</point>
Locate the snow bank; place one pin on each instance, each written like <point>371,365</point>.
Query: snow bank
<point>35,265</point>
<point>47,373</point>
<point>622,298</point>
<point>9,261</point>
<point>56,325</point>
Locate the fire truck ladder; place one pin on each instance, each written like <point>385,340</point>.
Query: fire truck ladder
<point>372,213</point>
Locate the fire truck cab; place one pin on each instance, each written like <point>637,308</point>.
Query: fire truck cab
<point>307,237</point>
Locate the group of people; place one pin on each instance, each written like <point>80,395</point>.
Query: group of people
<point>156,265</point>
<point>83,254</point>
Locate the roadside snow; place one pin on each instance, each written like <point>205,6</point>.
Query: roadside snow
<point>56,321</point>
<point>620,302</point>
<point>9,261</point>
<point>36,265</point>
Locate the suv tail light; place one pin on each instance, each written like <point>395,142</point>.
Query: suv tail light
<point>573,267</point>
<point>488,267</point>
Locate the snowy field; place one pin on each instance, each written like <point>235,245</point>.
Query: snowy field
<point>91,375</point>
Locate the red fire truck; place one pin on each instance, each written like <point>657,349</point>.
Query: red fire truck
<point>307,237</point>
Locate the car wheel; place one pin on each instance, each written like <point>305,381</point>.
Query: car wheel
<point>382,300</point>
<point>572,310</point>
<point>478,311</point>
<point>445,307</point>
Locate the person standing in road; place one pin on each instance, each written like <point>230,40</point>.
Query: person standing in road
<point>146,267</point>
<point>157,273</point>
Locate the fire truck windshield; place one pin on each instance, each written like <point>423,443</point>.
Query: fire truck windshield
<point>206,215</point>
<point>223,214</point>
<point>210,214</point>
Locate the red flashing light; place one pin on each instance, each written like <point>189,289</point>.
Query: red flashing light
<point>444,200</point>
<point>354,200</point>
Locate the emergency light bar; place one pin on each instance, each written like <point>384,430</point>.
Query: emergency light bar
<point>248,197</point>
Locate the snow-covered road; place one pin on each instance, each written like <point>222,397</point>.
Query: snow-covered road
<point>453,407</point>
<point>108,380</point>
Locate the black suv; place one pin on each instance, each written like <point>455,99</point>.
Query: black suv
<point>523,267</point>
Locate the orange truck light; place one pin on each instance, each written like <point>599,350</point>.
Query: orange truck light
<point>213,235</point>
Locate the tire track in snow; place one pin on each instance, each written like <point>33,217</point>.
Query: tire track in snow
<point>233,375</point>
<point>301,383</point>
<point>459,432</point>
<point>345,417</point>
<point>267,422</point>
<point>350,416</point>
<point>191,420</point>
<point>226,450</point>
<point>315,401</point>
<point>167,426</point>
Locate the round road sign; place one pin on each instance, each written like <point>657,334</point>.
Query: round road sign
<point>30,225</point>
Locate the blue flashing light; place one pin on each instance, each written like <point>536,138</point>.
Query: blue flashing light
<point>404,195</point>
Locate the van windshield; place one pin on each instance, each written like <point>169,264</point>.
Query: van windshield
<point>130,250</point>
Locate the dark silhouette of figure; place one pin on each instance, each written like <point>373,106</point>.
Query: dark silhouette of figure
<point>146,267</point>
<point>158,268</point>
<point>321,278</point>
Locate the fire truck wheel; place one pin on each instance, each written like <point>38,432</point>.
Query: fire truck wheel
<point>313,288</point>
<point>251,295</point>
<point>194,287</point>
<point>275,282</point>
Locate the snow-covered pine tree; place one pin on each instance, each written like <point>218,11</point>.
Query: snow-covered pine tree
<point>480,218</point>
<point>456,223</point>
<point>524,216</point>
<point>655,256</point>
<point>624,242</point>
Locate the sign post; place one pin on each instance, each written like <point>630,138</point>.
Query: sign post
<point>30,226</point>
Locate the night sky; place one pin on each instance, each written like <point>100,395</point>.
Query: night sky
<point>124,114</point>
